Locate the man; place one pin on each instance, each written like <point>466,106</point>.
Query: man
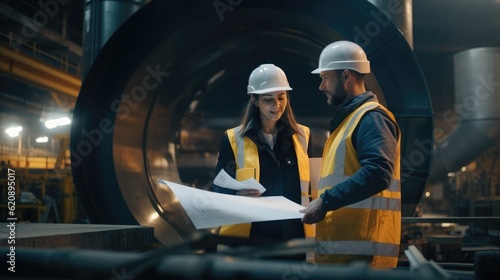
<point>358,208</point>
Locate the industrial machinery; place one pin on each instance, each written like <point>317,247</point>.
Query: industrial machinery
<point>181,262</point>
<point>171,79</point>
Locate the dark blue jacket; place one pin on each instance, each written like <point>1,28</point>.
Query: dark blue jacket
<point>375,140</point>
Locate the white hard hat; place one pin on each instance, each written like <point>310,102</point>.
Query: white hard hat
<point>342,55</point>
<point>267,78</point>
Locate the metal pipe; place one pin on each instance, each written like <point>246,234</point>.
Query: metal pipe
<point>101,19</point>
<point>477,99</point>
<point>182,264</point>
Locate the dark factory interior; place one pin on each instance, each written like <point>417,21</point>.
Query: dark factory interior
<point>102,99</point>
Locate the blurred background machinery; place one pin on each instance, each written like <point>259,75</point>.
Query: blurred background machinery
<point>45,188</point>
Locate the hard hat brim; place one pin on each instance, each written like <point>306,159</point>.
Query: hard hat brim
<point>267,90</point>
<point>318,70</point>
<point>361,70</point>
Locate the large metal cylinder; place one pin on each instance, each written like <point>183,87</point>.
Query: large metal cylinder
<point>476,111</point>
<point>101,19</point>
<point>158,97</point>
<point>400,12</point>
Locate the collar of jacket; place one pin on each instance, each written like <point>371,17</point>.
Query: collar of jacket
<point>340,113</point>
<point>255,131</point>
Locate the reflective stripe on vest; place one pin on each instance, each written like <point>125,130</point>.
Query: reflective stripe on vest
<point>300,143</point>
<point>374,202</point>
<point>247,166</point>
<point>334,179</point>
<point>357,248</point>
<point>350,229</point>
<point>240,144</point>
<point>341,149</point>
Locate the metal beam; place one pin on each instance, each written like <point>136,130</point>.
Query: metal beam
<point>25,22</point>
<point>33,71</point>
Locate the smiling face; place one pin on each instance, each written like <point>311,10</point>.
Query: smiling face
<point>332,86</point>
<point>271,105</point>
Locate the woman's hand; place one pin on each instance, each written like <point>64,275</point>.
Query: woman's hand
<point>248,192</point>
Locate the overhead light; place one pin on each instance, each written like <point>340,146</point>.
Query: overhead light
<point>14,131</point>
<point>447,224</point>
<point>53,123</point>
<point>43,139</point>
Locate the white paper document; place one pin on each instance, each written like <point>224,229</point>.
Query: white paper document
<point>209,209</point>
<point>224,180</point>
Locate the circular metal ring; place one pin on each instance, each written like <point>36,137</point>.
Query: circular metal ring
<point>137,99</point>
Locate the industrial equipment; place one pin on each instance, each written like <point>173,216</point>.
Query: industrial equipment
<point>160,94</point>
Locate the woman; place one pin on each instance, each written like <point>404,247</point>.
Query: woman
<point>271,147</point>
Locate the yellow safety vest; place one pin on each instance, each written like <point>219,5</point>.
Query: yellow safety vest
<point>366,230</point>
<point>247,166</point>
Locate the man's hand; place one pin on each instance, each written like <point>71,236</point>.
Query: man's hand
<point>248,192</point>
<point>314,212</point>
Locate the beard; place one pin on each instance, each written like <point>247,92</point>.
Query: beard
<point>339,96</point>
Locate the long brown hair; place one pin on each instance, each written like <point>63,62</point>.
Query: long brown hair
<point>251,115</point>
